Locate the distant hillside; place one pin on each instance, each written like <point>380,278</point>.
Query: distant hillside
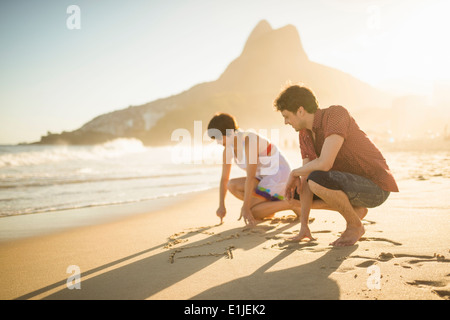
<point>246,89</point>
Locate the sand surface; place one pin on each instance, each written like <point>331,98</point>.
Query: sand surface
<point>180,252</point>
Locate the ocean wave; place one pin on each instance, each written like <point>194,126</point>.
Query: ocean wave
<point>24,183</point>
<point>14,156</point>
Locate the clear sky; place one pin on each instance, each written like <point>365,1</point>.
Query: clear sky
<point>132,52</point>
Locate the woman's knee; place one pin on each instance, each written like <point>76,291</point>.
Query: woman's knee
<point>234,185</point>
<point>231,185</point>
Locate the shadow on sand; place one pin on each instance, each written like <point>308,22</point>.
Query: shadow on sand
<point>307,281</point>
<point>139,276</point>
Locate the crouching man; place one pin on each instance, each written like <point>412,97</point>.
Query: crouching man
<point>342,168</point>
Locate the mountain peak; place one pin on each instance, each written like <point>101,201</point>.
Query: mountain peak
<point>261,28</point>
<point>268,54</point>
<point>264,37</point>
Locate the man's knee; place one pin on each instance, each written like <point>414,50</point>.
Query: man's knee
<point>321,179</point>
<point>314,186</point>
<point>316,179</point>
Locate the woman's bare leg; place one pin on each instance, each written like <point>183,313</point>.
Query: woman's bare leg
<point>237,186</point>
<point>262,208</point>
<point>266,208</point>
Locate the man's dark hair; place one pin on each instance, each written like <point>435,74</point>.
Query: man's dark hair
<point>296,96</point>
<point>221,122</point>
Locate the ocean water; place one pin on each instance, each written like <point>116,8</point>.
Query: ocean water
<point>35,179</point>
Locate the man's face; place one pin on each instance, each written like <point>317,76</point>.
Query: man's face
<point>293,119</point>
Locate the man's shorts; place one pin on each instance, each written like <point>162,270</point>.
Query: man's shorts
<point>361,191</point>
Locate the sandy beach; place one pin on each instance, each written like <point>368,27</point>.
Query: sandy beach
<point>180,252</point>
<point>121,122</point>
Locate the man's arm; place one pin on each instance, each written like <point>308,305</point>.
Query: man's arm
<point>330,149</point>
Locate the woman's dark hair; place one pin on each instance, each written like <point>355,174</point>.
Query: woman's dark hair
<point>221,122</point>
<point>296,96</point>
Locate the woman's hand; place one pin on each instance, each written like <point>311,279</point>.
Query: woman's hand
<point>221,212</point>
<point>246,213</point>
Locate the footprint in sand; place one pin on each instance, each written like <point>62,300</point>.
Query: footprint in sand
<point>428,284</point>
<point>366,264</point>
<point>445,294</point>
<point>425,283</point>
<point>395,243</point>
<point>407,264</point>
<point>419,259</point>
<point>382,257</point>
<point>385,256</point>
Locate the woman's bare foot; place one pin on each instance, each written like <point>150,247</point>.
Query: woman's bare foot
<point>350,236</point>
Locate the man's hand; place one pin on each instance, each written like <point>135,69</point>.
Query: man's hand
<point>304,233</point>
<point>292,184</point>
<point>221,212</point>
<point>246,213</point>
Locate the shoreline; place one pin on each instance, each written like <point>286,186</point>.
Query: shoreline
<point>21,226</point>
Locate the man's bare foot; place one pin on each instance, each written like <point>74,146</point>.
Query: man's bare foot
<point>361,212</point>
<point>350,236</point>
<point>304,233</point>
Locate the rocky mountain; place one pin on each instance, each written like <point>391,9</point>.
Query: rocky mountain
<point>246,89</point>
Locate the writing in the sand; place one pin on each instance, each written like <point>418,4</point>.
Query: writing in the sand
<point>241,310</point>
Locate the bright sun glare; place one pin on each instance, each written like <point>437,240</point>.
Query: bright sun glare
<point>412,49</point>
